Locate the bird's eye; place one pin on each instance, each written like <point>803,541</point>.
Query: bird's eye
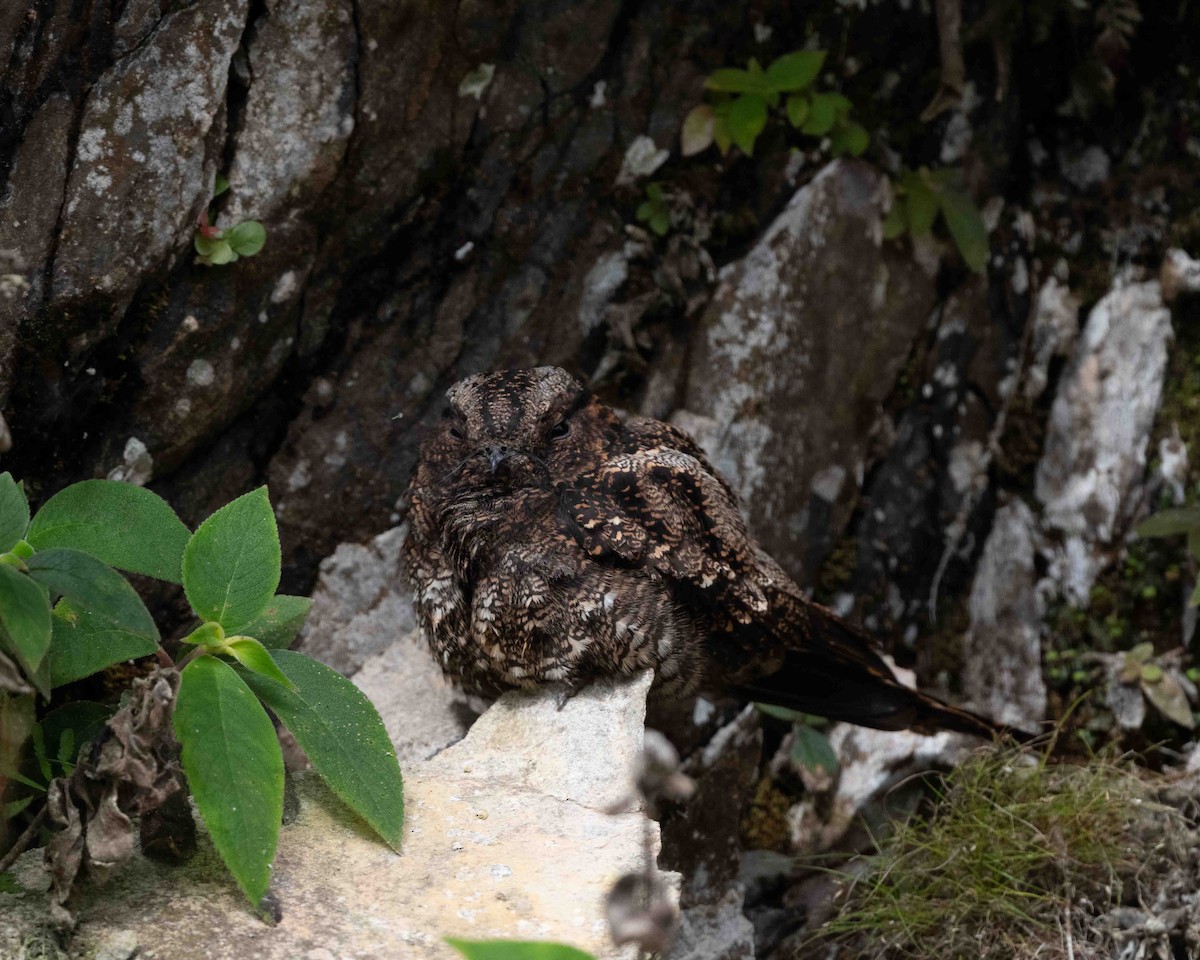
<point>561,429</point>
<point>456,433</point>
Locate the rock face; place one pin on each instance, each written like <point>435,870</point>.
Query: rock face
<point>803,340</point>
<point>1099,427</point>
<point>507,836</point>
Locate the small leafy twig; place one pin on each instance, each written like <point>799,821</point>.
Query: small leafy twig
<point>216,246</point>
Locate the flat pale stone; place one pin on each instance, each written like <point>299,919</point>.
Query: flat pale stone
<point>506,836</point>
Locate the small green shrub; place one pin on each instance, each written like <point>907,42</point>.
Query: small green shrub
<point>743,101</point>
<point>66,614</point>
<point>215,247</point>
<point>655,210</point>
<point>924,195</point>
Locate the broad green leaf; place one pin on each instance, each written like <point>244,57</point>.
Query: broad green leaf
<point>746,119</point>
<point>278,625</point>
<point>795,71</point>
<point>1170,523</point>
<point>922,204</point>
<point>780,713</point>
<point>85,642</point>
<point>222,254</point>
<point>735,81</point>
<point>849,138</point>
<point>220,185</point>
<point>645,210</point>
<point>1168,696</point>
<point>696,135</point>
<point>14,512</point>
<point>247,238</point>
<point>822,115</point>
<point>660,222</point>
<point>25,616</point>
<point>254,657</point>
<point>208,633</point>
<point>812,750</point>
<point>966,226</point>
<point>516,950</point>
<point>231,564</point>
<point>721,127</point>
<point>99,590</point>
<point>206,246</point>
<point>797,109</point>
<point>340,731</point>
<point>68,728</point>
<point>124,525</point>
<point>896,221</point>
<point>234,768</point>
<point>654,191</point>
<point>841,105</point>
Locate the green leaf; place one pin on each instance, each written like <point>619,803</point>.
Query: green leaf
<point>812,750</point>
<point>923,204</point>
<point>654,191</point>
<point>124,525</point>
<point>247,238</point>
<point>95,588</point>
<point>746,119</point>
<point>660,223</point>
<point>851,138</point>
<point>797,109</point>
<point>735,81</point>
<point>25,616</point>
<point>721,135</point>
<point>822,115</point>
<point>696,135</point>
<point>254,657</point>
<point>516,950</point>
<point>231,564</point>
<point>1168,697</point>
<point>85,642</point>
<point>340,731</point>
<point>278,625</point>
<point>966,226</point>
<point>645,210</point>
<point>234,768</point>
<point>68,728</point>
<point>1170,523</point>
<point>220,185</point>
<point>794,71</point>
<point>896,221</point>
<point>780,713</point>
<point>205,245</point>
<point>14,512</point>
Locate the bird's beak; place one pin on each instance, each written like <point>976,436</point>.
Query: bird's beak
<point>495,458</point>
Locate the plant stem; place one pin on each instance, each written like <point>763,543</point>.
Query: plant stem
<point>24,840</point>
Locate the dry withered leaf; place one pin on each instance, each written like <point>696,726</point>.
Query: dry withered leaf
<point>130,769</point>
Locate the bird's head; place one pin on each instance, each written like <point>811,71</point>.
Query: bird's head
<point>516,429</point>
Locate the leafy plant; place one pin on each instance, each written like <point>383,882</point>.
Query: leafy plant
<point>922,195</point>
<point>516,950</point>
<point>66,613</point>
<point>216,246</point>
<point>655,210</point>
<point>743,100</point>
<point>811,748</point>
<point>1177,522</point>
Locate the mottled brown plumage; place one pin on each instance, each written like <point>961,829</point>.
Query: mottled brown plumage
<point>550,540</point>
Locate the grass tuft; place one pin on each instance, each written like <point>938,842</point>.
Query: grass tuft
<point>1019,858</point>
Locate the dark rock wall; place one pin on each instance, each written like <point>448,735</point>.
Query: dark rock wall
<point>418,231</point>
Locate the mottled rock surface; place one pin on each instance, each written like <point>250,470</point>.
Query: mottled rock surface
<point>507,835</point>
<point>773,359</point>
<point>1095,455</point>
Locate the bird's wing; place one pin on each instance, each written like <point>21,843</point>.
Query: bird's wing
<point>660,505</point>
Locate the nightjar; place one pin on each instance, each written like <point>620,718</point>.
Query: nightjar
<point>551,540</point>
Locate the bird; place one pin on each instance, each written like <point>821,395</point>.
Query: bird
<point>553,541</point>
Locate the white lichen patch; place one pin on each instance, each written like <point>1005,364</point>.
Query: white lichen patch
<point>1090,475</point>
<point>200,373</point>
